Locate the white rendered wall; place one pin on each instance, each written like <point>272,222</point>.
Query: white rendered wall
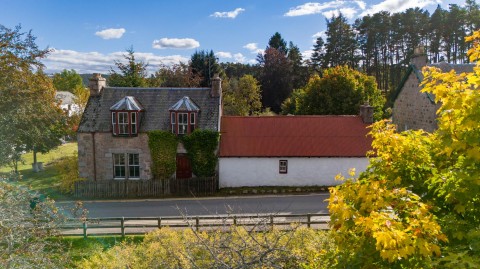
<point>240,172</point>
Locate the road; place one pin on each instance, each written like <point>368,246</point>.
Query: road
<point>285,204</point>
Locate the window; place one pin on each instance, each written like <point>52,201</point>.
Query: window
<point>283,166</point>
<point>182,123</point>
<point>123,123</point>
<point>192,122</point>
<point>121,167</point>
<point>173,121</point>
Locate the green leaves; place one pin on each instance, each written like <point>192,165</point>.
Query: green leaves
<point>163,150</point>
<point>201,146</point>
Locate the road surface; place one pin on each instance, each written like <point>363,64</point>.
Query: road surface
<point>280,204</point>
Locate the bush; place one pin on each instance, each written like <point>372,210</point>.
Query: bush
<point>67,168</point>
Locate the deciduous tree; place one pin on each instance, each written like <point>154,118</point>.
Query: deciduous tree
<point>242,97</point>
<point>67,80</point>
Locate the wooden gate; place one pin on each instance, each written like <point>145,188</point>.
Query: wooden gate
<point>184,168</point>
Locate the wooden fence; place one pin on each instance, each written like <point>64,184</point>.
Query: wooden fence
<point>145,188</point>
<point>136,226</point>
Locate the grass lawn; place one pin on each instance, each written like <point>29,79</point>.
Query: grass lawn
<point>46,181</point>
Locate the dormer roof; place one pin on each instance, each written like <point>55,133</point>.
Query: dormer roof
<point>127,103</point>
<point>185,104</point>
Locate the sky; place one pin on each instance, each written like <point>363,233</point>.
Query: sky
<point>88,36</point>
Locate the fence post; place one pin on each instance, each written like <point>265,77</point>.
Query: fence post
<point>197,222</point>
<point>271,221</point>
<point>309,219</point>
<point>159,223</point>
<point>235,220</point>
<point>85,229</point>
<point>122,226</point>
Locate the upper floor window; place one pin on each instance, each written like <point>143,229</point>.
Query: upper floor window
<point>183,116</point>
<point>125,116</point>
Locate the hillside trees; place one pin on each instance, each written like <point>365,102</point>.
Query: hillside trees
<point>67,80</point>
<point>420,195</point>
<point>29,114</point>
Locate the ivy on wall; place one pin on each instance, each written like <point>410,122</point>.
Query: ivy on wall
<point>200,146</point>
<point>163,150</point>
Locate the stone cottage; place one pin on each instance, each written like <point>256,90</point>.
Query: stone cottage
<point>413,109</point>
<point>112,135</point>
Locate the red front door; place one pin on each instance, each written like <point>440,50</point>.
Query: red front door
<point>184,169</point>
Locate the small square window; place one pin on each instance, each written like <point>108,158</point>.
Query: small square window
<point>283,166</point>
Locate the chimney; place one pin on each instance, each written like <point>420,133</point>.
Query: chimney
<point>96,84</point>
<point>419,57</point>
<point>216,90</point>
<point>366,113</point>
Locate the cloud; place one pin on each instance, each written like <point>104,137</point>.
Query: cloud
<point>362,5</point>
<point>222,54</point>
<point>175,43</point>
<point>312,8</point>
<point>348,12</point>
<point>111,33</point>
<point>307,54</point>
<point>228,14</point>
<point>239,58</point>
<point>394,6</point>
<point>253,48</point>
<point>319,34</point>
<point>95,62</point>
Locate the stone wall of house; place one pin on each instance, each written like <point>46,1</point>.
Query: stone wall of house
<point>101,161</point>
<point>413,109</point>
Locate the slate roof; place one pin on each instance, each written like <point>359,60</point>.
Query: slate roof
<point>156,103</point>
<point>185,104</point>
<point>294,136</point>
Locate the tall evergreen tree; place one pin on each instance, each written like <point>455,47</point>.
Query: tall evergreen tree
<point>131,74</point>
<point>318,55</point>
<point>204,64</point>
<point>341,46</point>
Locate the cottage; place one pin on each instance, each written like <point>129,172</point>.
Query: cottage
<point>67,104</point>
<point>292,150</point>
<point>413,109</point>
<point>112,135</point>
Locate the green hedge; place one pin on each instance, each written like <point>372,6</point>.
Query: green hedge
<point>200,146</point>
<point>163,149</point>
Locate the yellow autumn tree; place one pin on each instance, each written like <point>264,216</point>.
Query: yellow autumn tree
<point>418,204</point>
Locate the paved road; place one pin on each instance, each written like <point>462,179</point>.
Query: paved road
<point>293,204</point>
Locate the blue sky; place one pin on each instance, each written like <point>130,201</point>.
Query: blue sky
<point>89,35</point>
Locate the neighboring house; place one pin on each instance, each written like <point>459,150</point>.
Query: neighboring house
<point>112,135</point>
<point>67,103</point>
<point>292,150</point>
<point>413,109</point>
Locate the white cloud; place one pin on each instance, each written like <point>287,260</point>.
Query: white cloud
<point>348,12</point>
<point>362,5</point>
<point>394,6</point>
<point>228,14</point>
<point>307,54</point>
<point>312,8</point>
<point>222,54</point>
<point>111,33</point>
<point>175,43</point>
<point>239,58</point>
<point>253,48</point>
<point>319,34</point>
<point>95,62</point>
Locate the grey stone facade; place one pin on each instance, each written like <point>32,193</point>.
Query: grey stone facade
<point>412,109</point>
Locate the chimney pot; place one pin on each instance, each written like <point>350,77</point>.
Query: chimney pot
<point>366,113</point>
<point>216,90</point>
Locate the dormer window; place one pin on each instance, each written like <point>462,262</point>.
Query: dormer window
<point>183,116</point>
<point>125,114</point>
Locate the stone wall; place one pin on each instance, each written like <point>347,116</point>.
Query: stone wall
<point>105,145</point>
<point>413,109</point>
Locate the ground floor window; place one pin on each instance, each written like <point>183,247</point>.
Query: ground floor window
<point>283,166</point>
<point>126,166</point>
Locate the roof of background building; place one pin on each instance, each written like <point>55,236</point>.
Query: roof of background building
<point>156,103</point>
<point>294,136</point>
<point>65,97</point>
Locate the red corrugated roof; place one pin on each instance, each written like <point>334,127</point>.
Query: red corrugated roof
<point>294,136</point>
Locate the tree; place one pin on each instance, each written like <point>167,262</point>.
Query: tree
<point>299,70</point>
<point>277,42</point>
<point>67,80</point>
<point>340,91</point>
<point>28,222</point>
<point>242,97</point>
<point>318,54</point>
<point>29,114</point>
<point>177,75</point>
<point>420,195</point>
<point>341,45</point>
<point>205,65</point>
<point>132,73</point>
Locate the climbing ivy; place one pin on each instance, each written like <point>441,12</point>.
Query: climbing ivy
<point>201,145</point>
<point>163,149</point>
